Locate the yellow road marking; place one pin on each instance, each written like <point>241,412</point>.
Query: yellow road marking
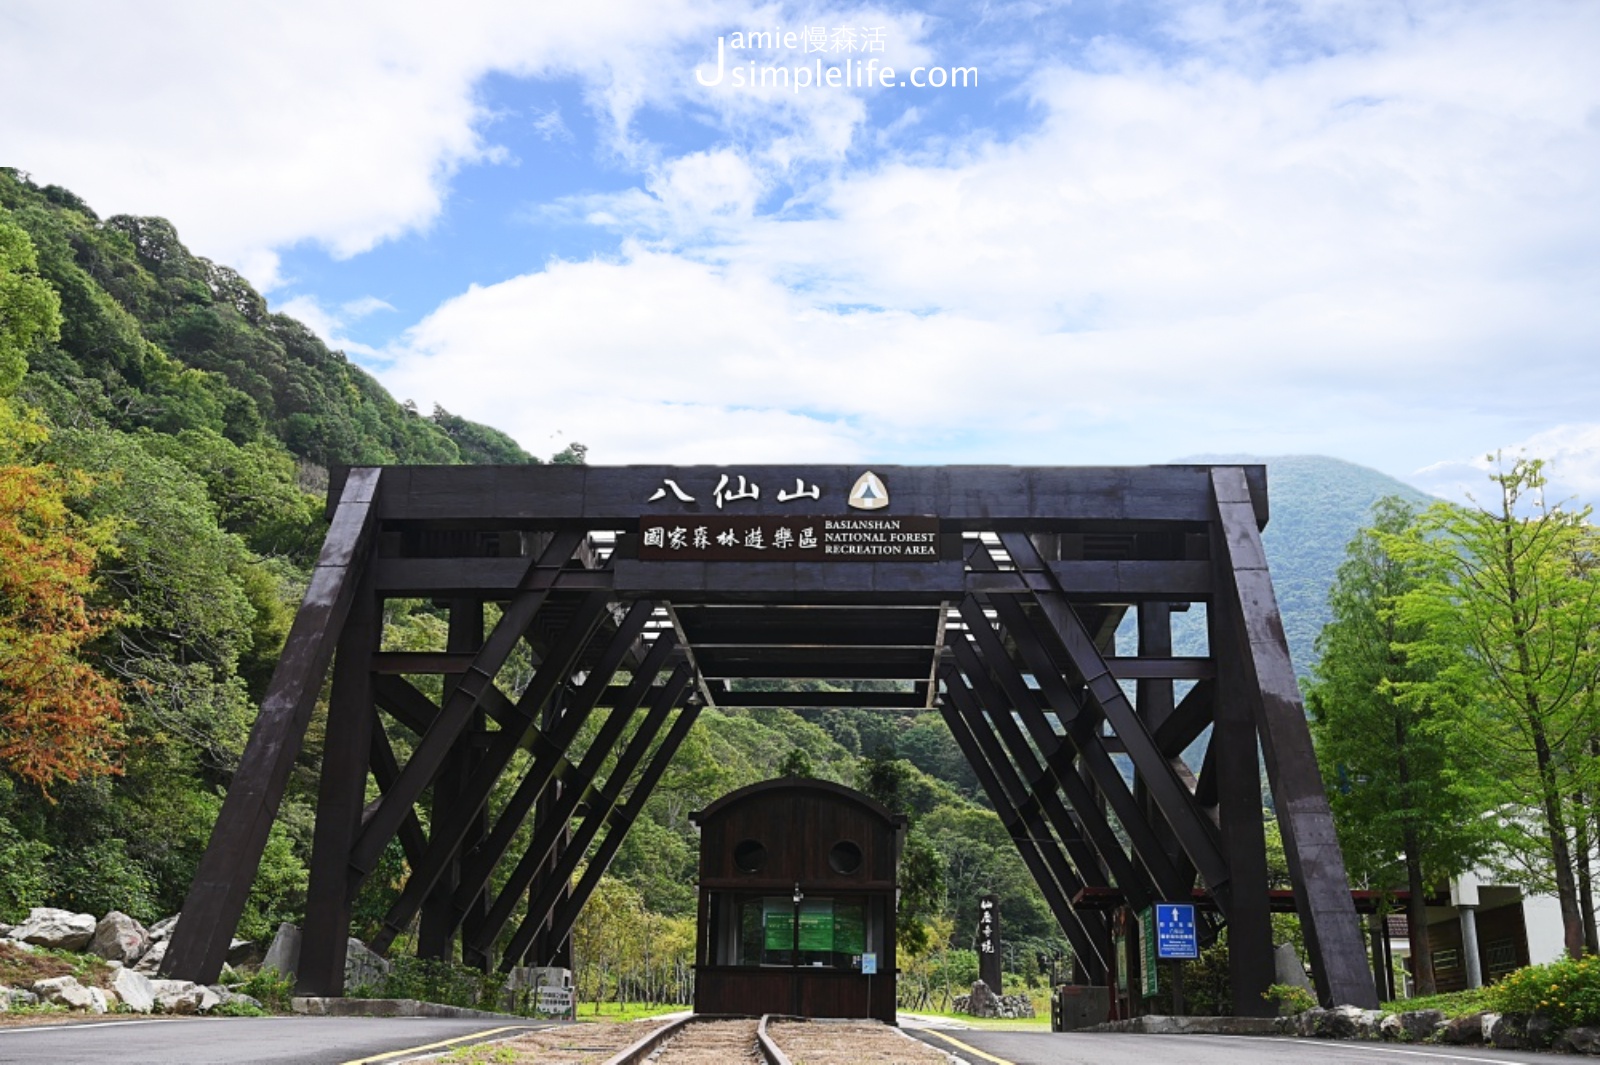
<point>443,1043</point>
<point>968,1049</point>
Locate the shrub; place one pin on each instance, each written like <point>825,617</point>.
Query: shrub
<point>269,987</point>
<point>1290,999</point>
<point>446,982</point>
<point>1566,991</point>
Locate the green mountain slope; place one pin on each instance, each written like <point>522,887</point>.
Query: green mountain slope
<point>158,338</point>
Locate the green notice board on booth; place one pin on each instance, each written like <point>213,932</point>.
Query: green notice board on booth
<point>825,926</point>
<point>778,920</point>
<point>849,928</point>
<point>816,924</point>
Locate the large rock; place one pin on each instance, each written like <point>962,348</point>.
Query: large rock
<point>1463,1031</point>
<point>150,960</point>
<point>56,929</point>
<point>134,989</point>
<point>1418,1025</point>
<point>242,952</point>
<point>162,929</point>
<point>1287,968</point>
<point>180,996</point>
<point>65,991</point>
<point>284,953</point>
<point>363,967</point>
<point>1579,1041</point>
<point>118,937</point>
<point>1341,1022</point>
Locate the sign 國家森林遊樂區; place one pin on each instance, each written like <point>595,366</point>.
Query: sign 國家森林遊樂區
<point>767,538</point>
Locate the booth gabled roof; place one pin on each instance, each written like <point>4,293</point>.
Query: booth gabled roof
<point>750,791</point>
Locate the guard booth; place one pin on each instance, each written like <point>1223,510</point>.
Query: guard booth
<point>797,902</point>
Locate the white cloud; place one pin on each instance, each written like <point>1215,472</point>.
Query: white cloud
<point>1571,454</point>
<point>1382,252</point>
<point>331,325</point>
<point>255,127</point>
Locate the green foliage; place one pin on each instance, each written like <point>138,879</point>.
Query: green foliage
<point>1566,991</point>
<point>26,873</point>
<point>1451,1003</point>
<point>445,982</point>
<point>100,876</point>
<point>1289,998</point>
<point>1207,988</point>
<point>1404,776</point>
<point>269,987</point>
<point>1504,617</point>
<point>30,310</point>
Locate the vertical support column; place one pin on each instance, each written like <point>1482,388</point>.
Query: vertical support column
<point>436,933</point>
<point>1251,969</point>
<point>1310,843</point>
<point>341,796</point>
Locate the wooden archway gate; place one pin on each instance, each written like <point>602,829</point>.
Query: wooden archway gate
<point>688,578</point>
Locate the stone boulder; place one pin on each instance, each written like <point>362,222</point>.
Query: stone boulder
<point>1578,1041</point>
<point>363,967</point>
<point>134,989</point>
<point>284,953</point>
<point>1463,1031</point>
<point>243,952</point>
<point>1287,968</point>
<point>162,929</point>
<point>56,929</point>
<point>150,961</point>
<point>66,991</point>
<point>1341,1022</point>
<point>118,937</point>
<point>1419,1025</point>
<point>183,996</point>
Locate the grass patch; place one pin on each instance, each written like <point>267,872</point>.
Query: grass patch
<point>21,968</point>
<point>633,1011</point>
<point>1451,1004</point>
<point>1039,1023</point>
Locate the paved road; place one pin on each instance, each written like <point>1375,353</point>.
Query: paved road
<point>241,1040</point>
<point>1045,1048</point>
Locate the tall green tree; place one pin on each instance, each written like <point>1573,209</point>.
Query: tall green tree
<point>30,310</point>
<point>1503,623</point>
<point>1404,781</point>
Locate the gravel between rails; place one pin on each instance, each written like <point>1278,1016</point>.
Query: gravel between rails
<point>850,1043</point>
<point>573,1044</point>
<point>711,1043</point>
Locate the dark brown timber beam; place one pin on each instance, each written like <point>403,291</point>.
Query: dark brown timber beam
<point>1322,887</point>
<point>221,884</point>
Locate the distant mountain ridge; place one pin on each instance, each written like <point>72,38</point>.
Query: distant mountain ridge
<point>1318,504</point>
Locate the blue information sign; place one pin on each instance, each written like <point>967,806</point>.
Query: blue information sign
<point>869,964</point>
<point>1175,931</point>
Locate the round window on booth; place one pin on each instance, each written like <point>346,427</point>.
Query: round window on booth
<point>845,857</point>
<point>749,856</point>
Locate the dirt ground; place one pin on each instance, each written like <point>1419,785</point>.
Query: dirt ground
<point>850,1043</point>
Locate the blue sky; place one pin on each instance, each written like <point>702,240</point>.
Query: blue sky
<point>1151,229</point>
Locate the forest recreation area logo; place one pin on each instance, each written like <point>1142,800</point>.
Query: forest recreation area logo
<point>850,63</point>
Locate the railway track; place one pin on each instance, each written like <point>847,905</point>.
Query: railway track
<point>710,1040</point>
